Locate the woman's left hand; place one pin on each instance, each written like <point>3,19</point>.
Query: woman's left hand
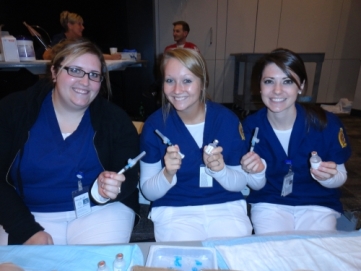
<point>325,171</point>
<point>109,184</point>
<point>252,163</point>
<point>214,161</point>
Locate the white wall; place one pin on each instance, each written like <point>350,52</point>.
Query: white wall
<point>247,26</point>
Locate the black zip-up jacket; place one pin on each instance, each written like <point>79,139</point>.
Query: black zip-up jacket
<point>116,140</point>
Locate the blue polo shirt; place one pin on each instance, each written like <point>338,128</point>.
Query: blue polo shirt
<point>331,144</point>
<point>49,164</point>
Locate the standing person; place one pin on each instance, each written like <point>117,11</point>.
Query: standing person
<point>296,196</point>
<point>56,140</point>
<point>180,32</point>
<point>72,24</point>
<point>197,196</point>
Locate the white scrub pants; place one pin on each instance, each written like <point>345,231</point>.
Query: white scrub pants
<point>193,223</point>
<point>106,224</point>
<point>269,218</point>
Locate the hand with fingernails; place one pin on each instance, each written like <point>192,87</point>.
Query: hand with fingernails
<point>252,163</point>
<point>109,184</point>
<point>214,161</point>
<point>172,161</point>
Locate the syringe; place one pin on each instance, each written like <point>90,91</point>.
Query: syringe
<point>254,139</point>
<point>167,141</point>
<point>132,162</point>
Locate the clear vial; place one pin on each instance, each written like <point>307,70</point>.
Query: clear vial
<point>119,263</point>
<point>315,160</point>
<point>211,146</point>
<point>102,266</point>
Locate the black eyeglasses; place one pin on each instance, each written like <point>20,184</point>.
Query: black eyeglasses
<point>76,72</point>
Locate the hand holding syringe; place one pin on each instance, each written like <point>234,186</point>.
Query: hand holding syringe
<point>254,139</point>
<point>132,162</point>
<point>167,141</point>
<point>103,189</point>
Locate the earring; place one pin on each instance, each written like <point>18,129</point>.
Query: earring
<point>299,92</point>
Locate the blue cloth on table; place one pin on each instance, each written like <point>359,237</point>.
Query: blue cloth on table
<point>69,257</point>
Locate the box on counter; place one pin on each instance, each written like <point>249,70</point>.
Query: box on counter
<point>182,258</point>
<point>129,56</point>
<point>9,49</point>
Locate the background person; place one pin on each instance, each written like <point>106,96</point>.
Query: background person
<point>73,30</point>
<point>197,197</point>
<point>295,197</point>
<point>180,32</point>
<point>52,137</point>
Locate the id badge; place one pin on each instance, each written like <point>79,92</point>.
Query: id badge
<point>81,202</point>
<point>287,184</point>
<point>204,179</point>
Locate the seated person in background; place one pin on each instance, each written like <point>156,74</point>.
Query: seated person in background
<point>61,137</point>
<point>73,27</point>
<point>296,196</point>
<point>198,196</point>
<point>180,32</point>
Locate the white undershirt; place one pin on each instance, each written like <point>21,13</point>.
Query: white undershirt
<point>154,184</point>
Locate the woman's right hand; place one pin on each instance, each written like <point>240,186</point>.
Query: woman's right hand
<point>172,161</point>
<point>40,238</point>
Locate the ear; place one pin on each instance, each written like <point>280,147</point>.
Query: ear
<point>53,73</point>
<point>302,86</point>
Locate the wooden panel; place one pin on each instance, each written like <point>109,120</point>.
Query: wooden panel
<point>309,26</point>
<point>241,26</point>
<point>268,20</point>
<point>348,43</point>
<point>343,80</point>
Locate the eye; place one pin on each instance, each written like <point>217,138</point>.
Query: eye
<point>267,81</point>
<point>288,82</point>
<point>75,70</point>
<point>187,81</point>
<point>168,80</point>
<point>94,75</point>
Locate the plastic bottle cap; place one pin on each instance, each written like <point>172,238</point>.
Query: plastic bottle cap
<point>119,256</point>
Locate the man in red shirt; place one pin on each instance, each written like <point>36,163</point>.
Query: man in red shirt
<point>180,33</point>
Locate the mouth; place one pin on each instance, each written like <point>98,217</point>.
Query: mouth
<point>278,100</point>
<point>81,91</point>
<point>180,98</point>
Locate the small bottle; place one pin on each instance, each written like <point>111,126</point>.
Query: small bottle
<point>119,263</point>
<point>102,266</point>
<point>315,160</point>
<point>211,146</point>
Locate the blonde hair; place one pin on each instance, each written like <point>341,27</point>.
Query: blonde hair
<point>68,17</point>
<point>68,50</point>
<point>194,62</point>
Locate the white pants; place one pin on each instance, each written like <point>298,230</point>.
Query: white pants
<point>267,218</point>
<point>106,224</point>
<point>193,223</point>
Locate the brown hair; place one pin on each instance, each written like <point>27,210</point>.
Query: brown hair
<point>68,50</point>
<point>69,17</point>
<point>194,62</point>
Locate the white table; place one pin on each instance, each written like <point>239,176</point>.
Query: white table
<point>41,66</point>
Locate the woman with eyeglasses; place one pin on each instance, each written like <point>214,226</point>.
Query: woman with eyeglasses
<point>61,148</point>
<point>73,26</point>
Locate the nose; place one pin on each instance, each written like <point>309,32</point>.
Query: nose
<point>85,80</point>
<point>178,88</point>
<point>278,87</point>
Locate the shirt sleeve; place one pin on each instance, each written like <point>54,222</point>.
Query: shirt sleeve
<point>336,181</point>
<point>153,183</point>
<point>235,179</point>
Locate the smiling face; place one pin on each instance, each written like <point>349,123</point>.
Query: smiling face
<point>179,34</point>
<point>73,93</point>
<point>279,93</point>
<point>75,30</point>
<point>182,88</point>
